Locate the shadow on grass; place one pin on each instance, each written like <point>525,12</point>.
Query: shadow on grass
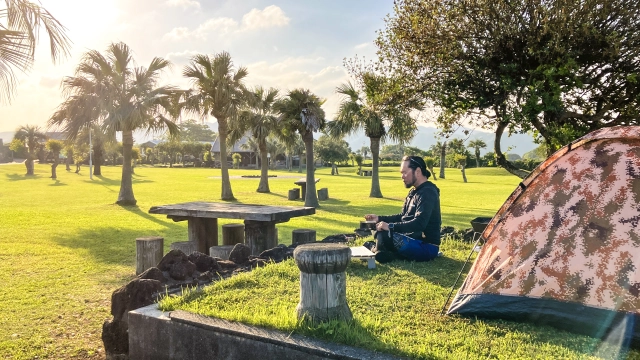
<point>17,177</point>
<point>112,245</point>
<point>58,183</point>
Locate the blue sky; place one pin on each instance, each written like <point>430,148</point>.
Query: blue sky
<point>284,44</point>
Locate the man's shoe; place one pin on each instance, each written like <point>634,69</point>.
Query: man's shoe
<point>384,257</point>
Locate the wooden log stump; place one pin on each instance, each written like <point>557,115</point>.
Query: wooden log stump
<point>323,282</point>
<point>232,234</point>
<point>221,252</point>
<point>149,251</point>
<point>303,236</point>
<point>294,194</point>
<point>323,194</point>
<point>187,247</point>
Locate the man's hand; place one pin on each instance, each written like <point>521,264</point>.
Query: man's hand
<point>382,226</point>
<point>371,217</point>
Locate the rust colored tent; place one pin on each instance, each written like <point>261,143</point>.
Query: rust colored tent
<point>564,249</point>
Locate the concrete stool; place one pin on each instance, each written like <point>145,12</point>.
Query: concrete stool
<point>323,194</point>
<point>187,247</point>
<point>232,234</point>
<point>323,282</point>
<point>303,236</point>
<point>149,252</point>
<point>221,252</point>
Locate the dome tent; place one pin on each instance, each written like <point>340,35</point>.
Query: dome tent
<point>564,249</point>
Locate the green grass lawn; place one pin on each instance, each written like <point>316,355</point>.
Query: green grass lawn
<point>67,247</point>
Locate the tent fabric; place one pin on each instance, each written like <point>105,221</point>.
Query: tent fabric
<point>567,235</point>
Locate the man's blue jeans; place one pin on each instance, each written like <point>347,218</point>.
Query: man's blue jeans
<point>406,247</point>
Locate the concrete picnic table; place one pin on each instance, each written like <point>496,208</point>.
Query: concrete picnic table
<point>259,221</point>
<point>303,185</point>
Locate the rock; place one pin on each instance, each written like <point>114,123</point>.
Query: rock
<point>206,276</point>
<point>468,235</point>
<point>254,263</point>
<point>136,294</point>
<point>343,238</point>
<point>362,232</point>
<point>171,258</point>
<point>115,337</point>
<point>153,274</point>
<point>277,254</point>
<point>227,264</point>
<point>447,230</point>
<point>240,253</point>
<point>182,270</point>
<point>203,262</point>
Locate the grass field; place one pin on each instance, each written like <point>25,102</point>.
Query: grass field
<point>67,247</point>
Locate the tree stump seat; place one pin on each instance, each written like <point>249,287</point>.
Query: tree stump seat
<point>294,194</point>
<point>323,194</point>
<point>149,252</point>
<point>187,247</point>
<point>323,282</point>
<point>303,236</point>
<point>232,234</point>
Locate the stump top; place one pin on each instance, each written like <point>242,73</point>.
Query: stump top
<point>322,258</point>
<point>149,238</point>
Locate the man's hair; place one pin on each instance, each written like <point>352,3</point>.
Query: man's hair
<point>416,162</point>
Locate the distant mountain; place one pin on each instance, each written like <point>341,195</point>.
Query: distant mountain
<point>7,136</point>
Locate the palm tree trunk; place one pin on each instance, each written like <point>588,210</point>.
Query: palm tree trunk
<point>464,175</point>
<point>433,175</point>
<point>125,197</point>
<point>477,158</point>
<point>98,156</point>
<point>300,162</point>
<point>54,165</point>
<point>263,187</point>
<point>375,180</point>
<point>227,194</point>
<point>29,164</point>
<point>443,162</point>
<point>311,199</point>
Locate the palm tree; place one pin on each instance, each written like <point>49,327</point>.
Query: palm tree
<point>476,145</point>
<point>301,111</point>
<point>258,117</point>
<point>21,22</point>
<point>358,111</point>
<point>32,136</point>
<point>431,162</point>
<point>217,91</point>
<point>54,146</point>
<point>107,90</point>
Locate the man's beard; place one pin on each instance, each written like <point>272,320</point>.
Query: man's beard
<point>413,180</point>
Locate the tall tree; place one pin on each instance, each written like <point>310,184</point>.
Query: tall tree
<point>476,145</point>
<point>560,68</point>
<point>32,137</point>
<point>259,117</point>
<point>332,151</point>
<point>367,110</point>
<point>20,24</point>
<point>190,130</point>
<point>54,146</point>
<point>109,91</point>
<point>301,111</point>
<point>218,91</point>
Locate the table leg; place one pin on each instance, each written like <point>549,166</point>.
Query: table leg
<point>203,231</point>
<point>260,235</point>
<point>304,191</point>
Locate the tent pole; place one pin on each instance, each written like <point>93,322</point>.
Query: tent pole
<point>460,273</point>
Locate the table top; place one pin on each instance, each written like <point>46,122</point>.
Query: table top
<point>203,209</point>
<point>304,181</point>
<point>361,252</point>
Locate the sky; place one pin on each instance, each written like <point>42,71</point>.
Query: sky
<point>284,44</point>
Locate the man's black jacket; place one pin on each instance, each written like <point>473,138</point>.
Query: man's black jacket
<point>420,214</point>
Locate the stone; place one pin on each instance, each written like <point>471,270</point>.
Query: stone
<point>153,274</point>
<point>277,254</point>
<point>171,258</point>
<point>468,235</point>
<point>240,254</point>
<point>227,264</point>
<point>182,270</point>
<point>203,262</point>
<point>205,277</point>
<point>136,294</point>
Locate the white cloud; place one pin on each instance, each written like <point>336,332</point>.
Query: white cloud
<point>271,16</point>
<point>183,3</point>
<point>181,55</point>
<point>178,33</point>
<point>361,46</point>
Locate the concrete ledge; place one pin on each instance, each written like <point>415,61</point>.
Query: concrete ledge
<point>154,334</point>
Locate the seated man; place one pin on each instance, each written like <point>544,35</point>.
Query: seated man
<point>401,235</point>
